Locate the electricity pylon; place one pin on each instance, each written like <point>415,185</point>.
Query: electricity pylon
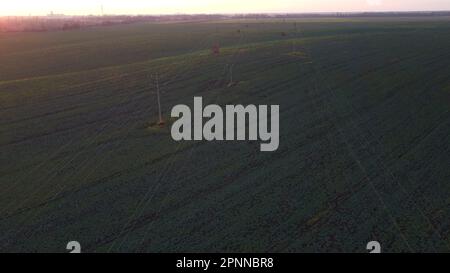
<point>161,121</point>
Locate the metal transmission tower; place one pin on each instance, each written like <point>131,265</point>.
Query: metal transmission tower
<point>294,42</point>
<point>231,76</point>
<point>160,121</point>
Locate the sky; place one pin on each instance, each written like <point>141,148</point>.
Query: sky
<point>84,7</point>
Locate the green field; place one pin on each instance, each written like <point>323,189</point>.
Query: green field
<point>364,137</point>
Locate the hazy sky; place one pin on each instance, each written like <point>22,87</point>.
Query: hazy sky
<point>37,7</point>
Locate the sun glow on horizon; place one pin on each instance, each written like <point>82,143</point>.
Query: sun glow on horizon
<point>85,7</point>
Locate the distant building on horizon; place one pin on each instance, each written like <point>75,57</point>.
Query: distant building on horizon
<point>56,15</point>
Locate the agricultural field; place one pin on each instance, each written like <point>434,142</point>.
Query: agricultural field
<point>364,137</point>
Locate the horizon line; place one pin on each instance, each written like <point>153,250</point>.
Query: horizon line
<point>231,13</point>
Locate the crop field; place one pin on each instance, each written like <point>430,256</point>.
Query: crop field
<point>364,137</point>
